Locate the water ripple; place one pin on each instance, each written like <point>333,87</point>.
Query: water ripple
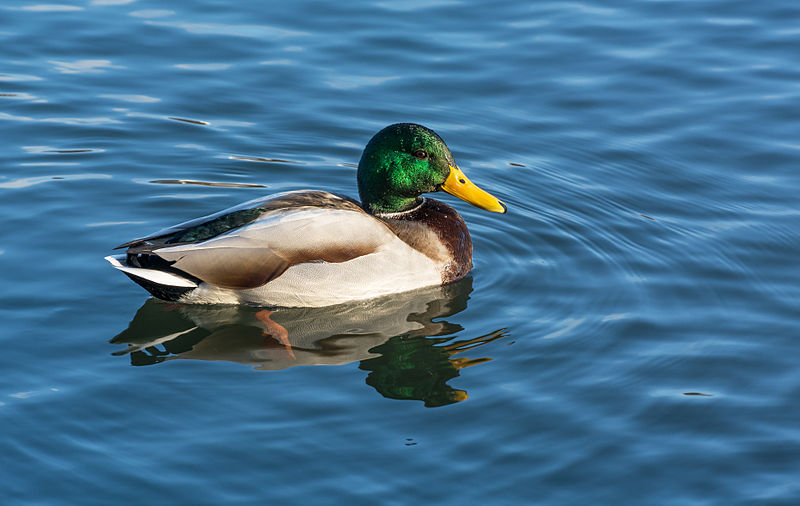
<point>152,13</point>
<point>47,8</point>
<point>18,77</point>
<point>27,182</point>
<point>250,31</point>
<point>63,121</point>
<point>83,66</point>
<point>136,99</point>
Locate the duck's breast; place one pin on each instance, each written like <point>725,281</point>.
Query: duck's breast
<point>437,231</point>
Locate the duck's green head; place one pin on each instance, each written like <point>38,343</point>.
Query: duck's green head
<point>405,160</point>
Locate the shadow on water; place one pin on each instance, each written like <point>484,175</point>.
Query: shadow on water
<point>407,353</point>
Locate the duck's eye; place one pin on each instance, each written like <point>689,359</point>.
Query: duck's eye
<point>420,154</point>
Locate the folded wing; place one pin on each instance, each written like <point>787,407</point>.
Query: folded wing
<point>252,244</point>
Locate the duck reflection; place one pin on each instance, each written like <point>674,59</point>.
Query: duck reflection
<point>407,353</point>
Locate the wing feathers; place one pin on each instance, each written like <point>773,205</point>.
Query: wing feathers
<point>257,253</point>
<point>207,227</point>
<point>235,268</point>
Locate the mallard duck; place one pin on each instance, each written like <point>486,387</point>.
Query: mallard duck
<point>312,248</point>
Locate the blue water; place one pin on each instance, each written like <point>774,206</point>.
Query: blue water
<point>629,333</point>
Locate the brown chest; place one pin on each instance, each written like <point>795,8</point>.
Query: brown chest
<point>437,231</point>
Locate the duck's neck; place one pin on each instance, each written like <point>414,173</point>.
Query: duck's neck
<point>389,204</point>
<point>377,199</point>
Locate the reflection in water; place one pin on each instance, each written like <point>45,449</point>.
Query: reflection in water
<point>261,159</point>
<point>192,121</point>
<point>407,353</point>
<point>207,183</point>
<point>416,368</point>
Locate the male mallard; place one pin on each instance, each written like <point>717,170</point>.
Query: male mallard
<point>314,248</point>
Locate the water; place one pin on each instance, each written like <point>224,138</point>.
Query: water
<point>629,332</point>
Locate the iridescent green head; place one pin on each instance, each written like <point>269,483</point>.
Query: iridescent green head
<point>405,160</point>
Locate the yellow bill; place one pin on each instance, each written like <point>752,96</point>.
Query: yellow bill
<point>459,186</point>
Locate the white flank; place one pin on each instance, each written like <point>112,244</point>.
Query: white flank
<point>394,268</point>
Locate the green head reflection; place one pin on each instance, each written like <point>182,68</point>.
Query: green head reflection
<point>418,368</point>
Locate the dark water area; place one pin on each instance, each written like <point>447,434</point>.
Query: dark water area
<point>629,333</point>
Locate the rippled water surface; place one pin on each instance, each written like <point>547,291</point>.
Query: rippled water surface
<point>629,332</point>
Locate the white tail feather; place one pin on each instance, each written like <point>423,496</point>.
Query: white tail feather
<point>158,277</point>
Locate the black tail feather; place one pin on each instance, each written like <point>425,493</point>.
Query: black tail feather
<point>163,292</point>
